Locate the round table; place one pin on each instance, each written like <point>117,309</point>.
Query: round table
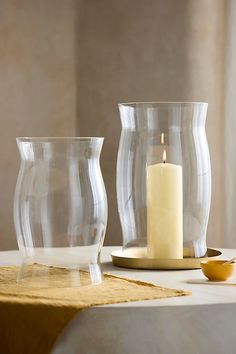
<point>201,323</point>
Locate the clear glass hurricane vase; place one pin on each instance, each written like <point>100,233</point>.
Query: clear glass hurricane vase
<point>60,205</point>
<point>174,134</point>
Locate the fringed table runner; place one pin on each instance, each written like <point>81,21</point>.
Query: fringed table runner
<point>31,318</point>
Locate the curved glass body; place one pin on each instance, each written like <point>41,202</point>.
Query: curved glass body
<point>60,206</point>
<point>173,135</point>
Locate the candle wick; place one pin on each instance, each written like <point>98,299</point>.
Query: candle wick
<point>164,156</point>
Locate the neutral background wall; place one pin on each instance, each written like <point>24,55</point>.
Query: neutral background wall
<point>230,127</point>
<point>37,85</point>
<point>65,65</point>
<point>146,51</point>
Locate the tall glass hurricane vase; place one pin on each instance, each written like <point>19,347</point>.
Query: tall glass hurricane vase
<point>164,178</point>
<point>60,207</point>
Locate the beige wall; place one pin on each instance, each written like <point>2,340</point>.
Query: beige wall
<point>65,59</point>
<point>230,128</point>
<point>150,50</point>
<point>37,85</point>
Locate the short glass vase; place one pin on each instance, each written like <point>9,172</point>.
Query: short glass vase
<point>60,209</point>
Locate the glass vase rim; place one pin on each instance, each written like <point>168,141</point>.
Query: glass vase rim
<point>59,139</point>
<point>126,104</point>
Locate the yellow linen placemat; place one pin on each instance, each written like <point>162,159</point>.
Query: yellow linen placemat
<point>31,318</point>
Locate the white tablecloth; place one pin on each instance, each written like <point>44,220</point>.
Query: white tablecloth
<point>204,322</point>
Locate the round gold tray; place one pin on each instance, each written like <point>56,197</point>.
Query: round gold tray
<point>129,259</point>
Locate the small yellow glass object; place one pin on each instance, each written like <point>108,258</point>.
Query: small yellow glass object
<point>217,270</point>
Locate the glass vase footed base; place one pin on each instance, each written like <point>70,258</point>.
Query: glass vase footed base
<point>43,275</point>
<point>60,266</point>
<point>195,249</point>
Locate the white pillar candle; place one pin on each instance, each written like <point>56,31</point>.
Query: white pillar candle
<point>164,211</point>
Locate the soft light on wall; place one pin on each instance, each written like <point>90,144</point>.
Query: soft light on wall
<point>66,65</point>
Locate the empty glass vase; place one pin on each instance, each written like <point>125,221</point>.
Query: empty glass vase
<point>164,179</point>
<point>60,206</point>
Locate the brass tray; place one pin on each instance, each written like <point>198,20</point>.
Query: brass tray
<point>135,260</point>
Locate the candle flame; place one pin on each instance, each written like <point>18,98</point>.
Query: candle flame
<point>164,156</point>
<point>162,139</point>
